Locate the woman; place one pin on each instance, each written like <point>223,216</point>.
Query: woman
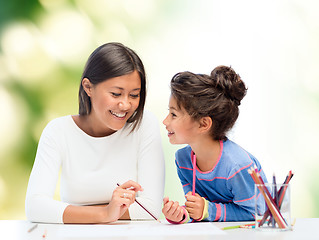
<point>112,141</point>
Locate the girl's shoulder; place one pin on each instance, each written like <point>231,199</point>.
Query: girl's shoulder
<point>185,151</point>
<point>183,156</point>
<point>236,155</point>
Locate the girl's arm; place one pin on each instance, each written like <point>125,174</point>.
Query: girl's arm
<point>242,208</point>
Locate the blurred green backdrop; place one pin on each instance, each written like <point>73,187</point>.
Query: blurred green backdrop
<point>273,45</point>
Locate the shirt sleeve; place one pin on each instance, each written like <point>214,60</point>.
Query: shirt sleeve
<point>40,205</point>
<point>151,170</point>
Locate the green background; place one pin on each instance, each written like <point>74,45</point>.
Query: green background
<point>273,45</point>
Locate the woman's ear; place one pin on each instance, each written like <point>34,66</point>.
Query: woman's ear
<point>87,86</point>
<point>205,124</point>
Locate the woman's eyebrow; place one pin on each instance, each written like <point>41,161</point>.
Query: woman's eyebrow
<point>120,88</point>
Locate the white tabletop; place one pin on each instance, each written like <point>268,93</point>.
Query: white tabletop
<point>304,228</point>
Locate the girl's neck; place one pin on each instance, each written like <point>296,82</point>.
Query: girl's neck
<point>207,153</point>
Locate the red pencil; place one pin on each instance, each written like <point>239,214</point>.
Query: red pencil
<point>144,208</point>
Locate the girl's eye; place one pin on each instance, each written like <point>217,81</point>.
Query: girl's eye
<point>115,94</point>
<point>173,114</point>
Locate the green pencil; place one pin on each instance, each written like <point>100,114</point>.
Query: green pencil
<point>231,227</point>
<point>249,225</point>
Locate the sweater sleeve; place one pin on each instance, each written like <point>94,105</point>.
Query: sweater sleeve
<point>150,170</point>
<point>187,186</point>
<point>40,205</point>
<point>242,208</point>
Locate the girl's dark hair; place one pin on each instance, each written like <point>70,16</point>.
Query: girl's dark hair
<point>108,61</point>
<point>216,96</point>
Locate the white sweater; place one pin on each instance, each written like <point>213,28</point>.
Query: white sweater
<point>92,166</point>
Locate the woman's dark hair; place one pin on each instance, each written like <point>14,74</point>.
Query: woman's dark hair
<point>216,96</point>
<point>108,61</point>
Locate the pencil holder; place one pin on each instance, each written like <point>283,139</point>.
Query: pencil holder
<point>272,207</point>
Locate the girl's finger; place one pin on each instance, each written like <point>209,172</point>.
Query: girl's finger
<point>190,204</point>
<point>167,206</point>
<point>165,200</point>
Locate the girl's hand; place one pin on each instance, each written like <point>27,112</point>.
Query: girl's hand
<point>194,205</point>
<point>172,210</point>
<point>123,196</point>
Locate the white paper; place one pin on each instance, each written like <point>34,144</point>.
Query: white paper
<point>139,229</point>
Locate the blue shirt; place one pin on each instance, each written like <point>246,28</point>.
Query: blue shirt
<point>228,187</point>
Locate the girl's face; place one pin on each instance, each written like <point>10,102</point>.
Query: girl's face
<point>182,129</point>
<point>113,102</point>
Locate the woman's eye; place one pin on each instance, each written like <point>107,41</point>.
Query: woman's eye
<point>135,95</point>
<point>115,94</point>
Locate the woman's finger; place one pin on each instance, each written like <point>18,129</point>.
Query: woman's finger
<point>131,185</point>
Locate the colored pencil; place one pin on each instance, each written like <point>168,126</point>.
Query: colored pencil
<point>252,225</point>
<point>275,194</point>
<point>281,195</point>
<point>267,196</point>
<point>194,174</point>
<point>33,227</point>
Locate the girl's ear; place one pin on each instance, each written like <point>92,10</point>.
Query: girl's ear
<point>87,86</point>
<point>205,124</point>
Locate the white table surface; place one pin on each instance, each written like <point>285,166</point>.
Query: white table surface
<point>304,229</point>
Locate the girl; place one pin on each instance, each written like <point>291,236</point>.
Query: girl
<point>202,109</point>
<point>112,140</point>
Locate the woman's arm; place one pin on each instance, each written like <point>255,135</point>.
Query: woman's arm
<point>104,213</point>
<point>151,170</point>
<point>40,204</point>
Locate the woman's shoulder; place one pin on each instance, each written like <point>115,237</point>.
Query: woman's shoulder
<point>149,122</point>
<point>149,117</point>
<point>58,123</point>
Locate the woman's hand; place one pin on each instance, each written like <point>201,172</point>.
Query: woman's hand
<point>194,205</point>
<point>172,210</point>
<point>123,196</point>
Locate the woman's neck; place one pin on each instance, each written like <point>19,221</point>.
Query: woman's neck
<point>90,126</point>
<point>207,153</point>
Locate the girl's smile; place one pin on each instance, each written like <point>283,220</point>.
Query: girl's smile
<point>180,126</point>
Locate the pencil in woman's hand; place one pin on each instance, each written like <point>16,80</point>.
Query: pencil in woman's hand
<point>144,208</point>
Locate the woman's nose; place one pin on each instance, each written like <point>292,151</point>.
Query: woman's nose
<point>124,104</point>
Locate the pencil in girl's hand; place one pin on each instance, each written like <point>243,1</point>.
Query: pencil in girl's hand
<point>144,208</point>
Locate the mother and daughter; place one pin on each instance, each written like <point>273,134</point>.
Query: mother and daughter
<point>113,139</point>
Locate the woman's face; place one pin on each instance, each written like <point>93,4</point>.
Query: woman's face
<point>113,102</point>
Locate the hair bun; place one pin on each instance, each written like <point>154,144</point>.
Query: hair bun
<point>229,83</point>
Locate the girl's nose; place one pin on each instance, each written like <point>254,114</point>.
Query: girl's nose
<point>165,121</point>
